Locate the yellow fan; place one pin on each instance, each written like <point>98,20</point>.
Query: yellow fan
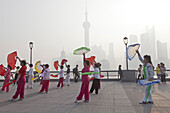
<point>38,67</point>
<point>34,78</point>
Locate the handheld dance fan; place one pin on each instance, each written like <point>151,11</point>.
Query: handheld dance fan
<point>54,75</point>
<point>101,76</point>
<point>38,67</point>
<point>146,82</point>
<point>2,70</point>
<point>63,61</point>
<point>6,85</point>
<point>91,59</point>
<point>89,73</point>
<point>35,78</point>
<point>11,59</point>
<point>131,51</point>
<point>92,78</point>
<point>56,65</point>
<point>81,50</point>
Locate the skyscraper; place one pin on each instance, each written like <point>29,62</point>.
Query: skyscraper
<point>86,26</point>
<point>148,42</point>
<point>112,56</point>
<point>162,51</point>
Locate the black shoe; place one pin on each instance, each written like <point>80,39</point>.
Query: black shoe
<point>142,102</point>
<point>86,101</point>
<point>21,99</point>
<point>150,102</point>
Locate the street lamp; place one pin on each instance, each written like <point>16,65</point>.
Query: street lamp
<point>125,40</point>
<point>31,47</point>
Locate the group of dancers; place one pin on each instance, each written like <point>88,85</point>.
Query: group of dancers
<point>148,71</point>
<point>45,77</point>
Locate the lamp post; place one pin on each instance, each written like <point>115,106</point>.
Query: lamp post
<point>31,47</point>
<point>125,40</point>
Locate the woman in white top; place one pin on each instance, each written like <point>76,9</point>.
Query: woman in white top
<point>95,84</point>
<point>61,73</point>
<point>46,77</point>
<point>31,75</point>
<point>148,71</point>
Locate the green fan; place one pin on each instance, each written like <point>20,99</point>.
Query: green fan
<point>89,73</point>
<point>81,50</point>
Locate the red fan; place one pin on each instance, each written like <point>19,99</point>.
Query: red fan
<point>10,83</point>
<point>63,61</point>
<point>2,70</point>
<point>56,65</point>
<point>101,76</point>
<point>91,60</point>
<point>92,78</point>
<point>54,75</point>
<point>11,59</point>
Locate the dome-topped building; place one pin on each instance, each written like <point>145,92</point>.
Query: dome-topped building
<point>63,55</point>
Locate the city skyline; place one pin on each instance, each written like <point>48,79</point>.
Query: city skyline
<point>54,25</point>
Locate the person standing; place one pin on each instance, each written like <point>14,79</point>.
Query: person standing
<point>31,75</point>
<point>61,79</point>
<point>139,73</point>
<point>120,73</point>
<point>46,78</point>
<point>148,70</point>
<point>21,81</point>
<point>7,79</point>
<point>99,64</point>
<point>67,80</point>
<point>43,68</point>
<point>16,74</point>
<point>163,72</point>
<point>85,82</point>
<point>158,71</point>
<point>76,74</point>
<point>95,84</point>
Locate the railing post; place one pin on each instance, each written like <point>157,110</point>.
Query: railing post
<point>107,75</point>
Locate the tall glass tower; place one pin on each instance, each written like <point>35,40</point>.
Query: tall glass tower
<point>86,26</point>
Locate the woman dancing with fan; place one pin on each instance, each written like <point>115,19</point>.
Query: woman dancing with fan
<point>85,82</point>
<point>7,79</point>
<point>148,71</point>
<point>21,81</point>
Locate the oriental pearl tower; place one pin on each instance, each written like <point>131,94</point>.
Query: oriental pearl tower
<point>86,26</point>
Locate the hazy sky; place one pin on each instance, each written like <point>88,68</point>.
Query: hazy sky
<point>56,24</point>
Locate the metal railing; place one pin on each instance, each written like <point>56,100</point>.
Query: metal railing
<point>108,74</point>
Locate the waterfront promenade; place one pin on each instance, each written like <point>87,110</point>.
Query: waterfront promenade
<point>114,97</point>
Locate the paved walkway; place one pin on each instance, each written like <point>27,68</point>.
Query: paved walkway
<point>114,97</point>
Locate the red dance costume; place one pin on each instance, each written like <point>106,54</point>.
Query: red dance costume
<point>45,83</point>
<point>85,84</point>
<point>21,83</point>
<point>61,80</point>
<point>7,79</point>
